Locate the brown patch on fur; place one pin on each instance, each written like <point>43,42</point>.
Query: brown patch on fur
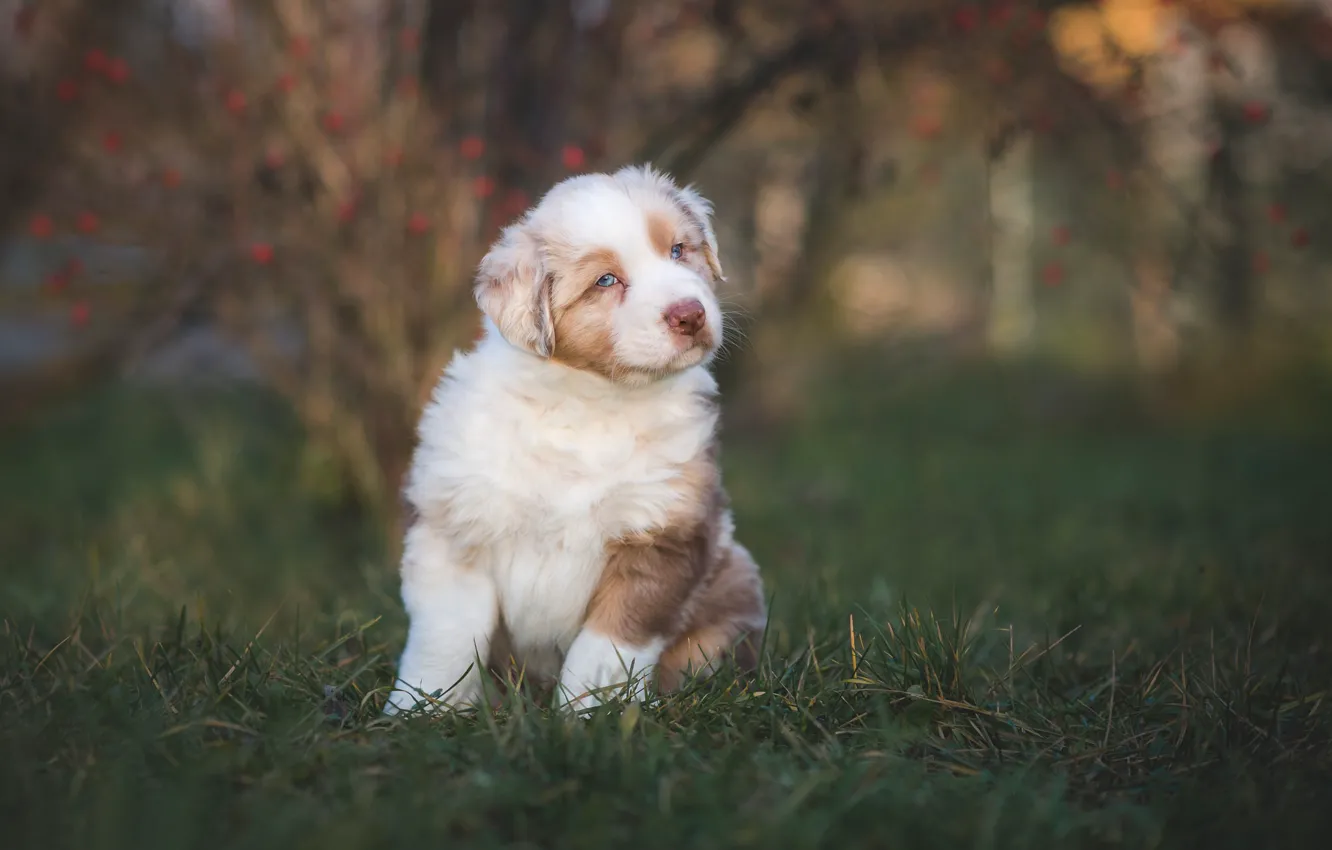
<point>649,577</point>
<point>578,273</point>
<point>714,266</point>
<point>645,586</point>
<point>661,232</point>
<point>700,248</point>
<point>687,583</point>
<point>582,312</point>
<point>727,618</point>
<point>683,226</point>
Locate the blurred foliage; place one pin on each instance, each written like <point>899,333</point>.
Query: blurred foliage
<point>1126,181</point>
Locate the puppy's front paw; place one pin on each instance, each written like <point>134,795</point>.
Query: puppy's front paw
<point>580,701</point>
<point>597,669</point>
<point>405,699</point>
<point>576,703</point>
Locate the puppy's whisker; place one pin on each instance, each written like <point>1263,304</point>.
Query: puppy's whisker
<point>733,335</point>
<point>737,314</point>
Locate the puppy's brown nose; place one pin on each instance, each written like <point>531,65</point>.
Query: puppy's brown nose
<point>685,317</point>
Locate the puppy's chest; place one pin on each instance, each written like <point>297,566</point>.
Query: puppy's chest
<point>579,487</point>
<point>553,501</point>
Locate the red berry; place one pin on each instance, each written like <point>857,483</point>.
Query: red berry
<point>87,222</point>
<point>333,122</point>
<point>57,282</point>
<point>117,71</point>
<point>95,60</point>
<point>261,253</point>
<point>966,18</point>
<point>346,211</point>
<point>409,38</point>
<point>925,126</point>
<point>1001,13</point>
<point>1299,238</point>
<point>418,223</point>
<point>171,178</point>
<point>1060,235</point>
<point>1052,274</point>
<point>483,187</point>
<point>393,157</point>
<point>235,101</point>
<point>41,226</point>
<point>572,157</point>
<point>1256,112</point>
<point>67,90</point>
<point>408,86</point>
<point>299,47</point>
<point>286,83</point>
<point>112,142</point>
<point>79,313</point>
<point>472,147</point>
<point>1277,213</point>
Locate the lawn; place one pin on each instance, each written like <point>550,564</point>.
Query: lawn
<point>1011,608</point>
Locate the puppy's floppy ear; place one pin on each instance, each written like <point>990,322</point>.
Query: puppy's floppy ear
<point>700,210</point>
<point>513,288</point>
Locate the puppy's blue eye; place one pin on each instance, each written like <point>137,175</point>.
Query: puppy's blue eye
<point>607,280</point>
<point>677,251</point>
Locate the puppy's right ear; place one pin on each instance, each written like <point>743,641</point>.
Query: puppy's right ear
<point>699,209</point>
<point>513,289</point>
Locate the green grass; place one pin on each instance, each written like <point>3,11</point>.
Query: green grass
<point>1011,609</point>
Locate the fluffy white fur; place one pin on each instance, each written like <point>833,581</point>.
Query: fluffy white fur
<point>526,468</point>
<point>540,465</point>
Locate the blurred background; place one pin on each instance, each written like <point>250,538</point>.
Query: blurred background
<point>1030,300</point>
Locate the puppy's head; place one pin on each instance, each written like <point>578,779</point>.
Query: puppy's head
<point>611,273</point>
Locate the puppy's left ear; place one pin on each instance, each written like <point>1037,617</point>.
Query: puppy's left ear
<point>699,209</point>
<point>513,288</point>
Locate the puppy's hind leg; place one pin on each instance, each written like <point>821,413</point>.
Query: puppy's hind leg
<point>727,622</point>
<point>454,611</point>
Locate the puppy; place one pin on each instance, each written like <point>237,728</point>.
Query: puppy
<point>569,512</point>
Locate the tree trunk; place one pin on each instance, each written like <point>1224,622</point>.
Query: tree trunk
<point>1172,187</point>
<point>1012,210</point>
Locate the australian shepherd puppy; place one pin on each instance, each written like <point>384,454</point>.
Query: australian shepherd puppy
<point>569,511</point>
